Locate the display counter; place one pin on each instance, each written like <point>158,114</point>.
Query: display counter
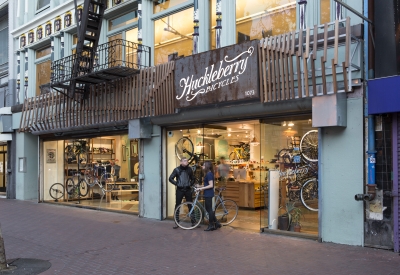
<point>246,194</point>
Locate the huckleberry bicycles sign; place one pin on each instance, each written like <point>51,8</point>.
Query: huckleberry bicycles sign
<point>222,75</point>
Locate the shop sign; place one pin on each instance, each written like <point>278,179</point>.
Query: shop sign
<point>226,74</point>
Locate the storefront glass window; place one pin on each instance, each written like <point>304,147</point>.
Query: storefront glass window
<point>268,164</point>
<point>256,19</point>
<point>83,170</point>
<point>173,35</point>
<point>162,5</point>
<point>325,11</point>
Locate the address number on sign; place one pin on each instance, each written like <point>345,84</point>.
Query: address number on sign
<point>249,93</point>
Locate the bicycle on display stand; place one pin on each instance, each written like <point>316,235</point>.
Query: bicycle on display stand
<point>189,215</point>
<point>302,181</point>
<point>74,190</point>
<point>240,151</point>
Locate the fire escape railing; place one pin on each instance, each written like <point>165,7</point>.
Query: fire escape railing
<point>115,59</point>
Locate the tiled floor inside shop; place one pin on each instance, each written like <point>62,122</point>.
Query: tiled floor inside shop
<point>120,205</point>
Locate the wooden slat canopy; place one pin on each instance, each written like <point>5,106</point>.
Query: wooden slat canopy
<point>292,65</point>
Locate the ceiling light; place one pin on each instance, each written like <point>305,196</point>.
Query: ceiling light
<point>284,123</point>
<point>180,130</point>
<point>290,124</point>
<point>254,142</point>
<point>198,131</point>
<point>229,134</point>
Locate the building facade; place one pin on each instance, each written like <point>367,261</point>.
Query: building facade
<point>284,77</point>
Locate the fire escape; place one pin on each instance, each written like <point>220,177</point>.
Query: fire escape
<point>92,63</point>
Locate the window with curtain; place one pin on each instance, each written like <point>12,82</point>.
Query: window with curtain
<point>173,35</point>
<point>256,19</point>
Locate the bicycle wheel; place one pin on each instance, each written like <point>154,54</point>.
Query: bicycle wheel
<point>186,217</point>
<point>56,191</point>
<point>232,156</point>
<point>309,194</point>
<point>83,188</point>
<point>90,176</point>
<point>71,188</point>
<point>184,148</point>
<point>226,212</point>
<point>108,182</point>
<point>309,145</point>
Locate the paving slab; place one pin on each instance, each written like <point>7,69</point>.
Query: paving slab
<point>82,241</point>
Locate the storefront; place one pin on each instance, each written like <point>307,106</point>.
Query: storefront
<point>97,172</point>
<point>273,169</point>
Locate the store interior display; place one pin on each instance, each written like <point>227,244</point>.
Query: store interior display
<point>100,172</point>
<point>253,149</point>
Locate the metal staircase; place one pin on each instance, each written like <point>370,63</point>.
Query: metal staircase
<point>88,39</point>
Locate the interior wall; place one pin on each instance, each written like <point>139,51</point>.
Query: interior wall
<point>53,172</point>
<point>341,177</point>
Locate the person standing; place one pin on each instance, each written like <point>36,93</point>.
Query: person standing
<point>182,177</point>
<point>208,195</point>
<point>223,171</point>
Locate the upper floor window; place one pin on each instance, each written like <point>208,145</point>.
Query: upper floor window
<point>43,72</point>
<point>161,5</point>
<point>4,46</point>
<point>325,11</point>
<point>41,4</point>
<point>173,36</point>
<point>123,20</point>
<point>256,19</point>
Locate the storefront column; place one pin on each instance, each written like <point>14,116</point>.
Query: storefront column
<point>341,177</point>
<point>151,186</point>
<point>26,166</point>
<point>228,34</point>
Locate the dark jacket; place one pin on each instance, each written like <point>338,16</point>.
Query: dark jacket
<point>182,177</point>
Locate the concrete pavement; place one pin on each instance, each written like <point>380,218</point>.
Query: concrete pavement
<point>81,241</point>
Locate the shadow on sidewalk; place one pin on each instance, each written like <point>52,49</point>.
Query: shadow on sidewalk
<point>23,266</point>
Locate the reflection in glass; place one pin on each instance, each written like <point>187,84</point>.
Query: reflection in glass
<point>256,19</point>
<point>173,34</point>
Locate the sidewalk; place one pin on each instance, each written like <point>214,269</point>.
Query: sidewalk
<point>81,241</point>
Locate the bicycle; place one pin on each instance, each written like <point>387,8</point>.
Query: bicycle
<point>309,146</point>
<point>91,178</point>
<point>240,151</point>
<point>188,215</point>
<point>309,191</point>
<point>184,148</point>
<point>56,191</point>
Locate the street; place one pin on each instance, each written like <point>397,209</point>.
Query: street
<point>81,241</point>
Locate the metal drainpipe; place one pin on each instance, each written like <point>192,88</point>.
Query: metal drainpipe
<point>371,119</point>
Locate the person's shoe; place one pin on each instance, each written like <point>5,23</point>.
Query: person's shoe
<point>175,226</point>
<point>217,225</point>
<point>209,228</point>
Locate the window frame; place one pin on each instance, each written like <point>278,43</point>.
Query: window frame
<point>42,8</point>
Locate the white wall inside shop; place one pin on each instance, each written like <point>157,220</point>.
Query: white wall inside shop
<point>26,185</point>
<point>341,177</point>
<point>52,172</point>
<point>151,204</point>
<point>172,162</point>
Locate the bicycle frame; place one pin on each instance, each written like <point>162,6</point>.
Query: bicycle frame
<point>218,199</point>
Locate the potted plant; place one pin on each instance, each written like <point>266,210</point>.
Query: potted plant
<point>296,215</point>
<point>285,219</point>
